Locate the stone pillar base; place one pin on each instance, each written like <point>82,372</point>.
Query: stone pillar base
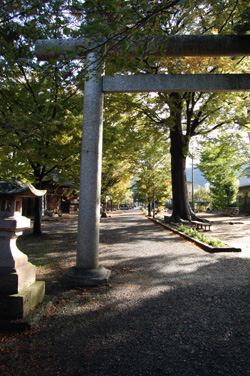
<point>19,305</point>
<point>83,278</point>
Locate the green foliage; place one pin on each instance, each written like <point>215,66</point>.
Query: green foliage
<point>242,25</point>
<point>120,20</point>
<point>133,146</point>
<point>223,161</point>
<point>202,198</point>
<point>202,194</point>
<point>40,104</point>
<point>224,192</point>
<point>152,182</point>
<point>213,241</point>
<point>187,114</point>
<point>120,145</point>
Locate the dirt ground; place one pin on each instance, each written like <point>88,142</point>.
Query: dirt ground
<point>168,309</point>
<point>233,230</point>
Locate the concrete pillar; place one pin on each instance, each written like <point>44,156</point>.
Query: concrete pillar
<point>87,271</point>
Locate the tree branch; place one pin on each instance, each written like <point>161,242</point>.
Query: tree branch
<point>215,127</point>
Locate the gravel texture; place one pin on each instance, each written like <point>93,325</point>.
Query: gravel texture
<point>169,308</point>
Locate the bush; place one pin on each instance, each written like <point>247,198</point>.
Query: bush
<point>234,205</point>
<point>193,233</point>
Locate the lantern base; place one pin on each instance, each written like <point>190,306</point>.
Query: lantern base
<point>19,305</point>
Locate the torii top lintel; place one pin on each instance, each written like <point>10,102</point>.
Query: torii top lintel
<point>176,46</point>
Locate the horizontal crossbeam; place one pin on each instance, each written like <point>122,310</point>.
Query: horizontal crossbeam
<point>176,83</point>
<point>175,45</point>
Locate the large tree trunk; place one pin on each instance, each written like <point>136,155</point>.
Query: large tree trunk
<point>179,150</point>
<point>181,207</point>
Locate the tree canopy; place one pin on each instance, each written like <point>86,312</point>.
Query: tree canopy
<point>40,108</point>
<point>41,103</point>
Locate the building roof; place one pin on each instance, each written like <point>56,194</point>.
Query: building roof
<point>18,188</point>
<point>244,186</point>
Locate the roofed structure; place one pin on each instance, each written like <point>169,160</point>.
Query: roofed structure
<point>18,188</point>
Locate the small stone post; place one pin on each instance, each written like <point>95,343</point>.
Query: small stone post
<point>87,272</point>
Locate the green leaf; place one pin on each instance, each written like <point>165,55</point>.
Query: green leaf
<point>66,31</point>
<point>124,45</point>
<point>138,50</point>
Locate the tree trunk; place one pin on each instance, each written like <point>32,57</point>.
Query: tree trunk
<point>179,151</point>
<point>181,207</point>
<point>149,209</point>
<point>104,210</point>
<point>37,229</point>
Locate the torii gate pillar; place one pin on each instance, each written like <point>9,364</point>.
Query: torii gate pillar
<point>87,272</point>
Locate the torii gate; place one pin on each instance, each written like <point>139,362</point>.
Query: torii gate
<point>87,270</point>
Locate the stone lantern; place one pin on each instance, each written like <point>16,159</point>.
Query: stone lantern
<point>19,290</point>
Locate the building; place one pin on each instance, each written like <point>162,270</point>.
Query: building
<point>58,199</point>
<point>243,197</point>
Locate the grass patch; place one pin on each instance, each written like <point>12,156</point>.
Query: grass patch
<point>193,233</point>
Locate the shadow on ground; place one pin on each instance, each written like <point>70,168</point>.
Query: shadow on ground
<point>182,329</point>
<point>168,309</point>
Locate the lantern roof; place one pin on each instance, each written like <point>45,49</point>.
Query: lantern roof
<point>18,188</point>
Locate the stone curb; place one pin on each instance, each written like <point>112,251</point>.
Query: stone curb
<point>204,246</point>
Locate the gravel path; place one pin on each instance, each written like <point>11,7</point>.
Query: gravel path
<point>169,308</point>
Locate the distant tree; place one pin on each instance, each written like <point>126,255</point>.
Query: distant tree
<point>133,147</point>
<point>202,198</point>
<point>153,182</point>
<point>116,180</point>
<point>223,161</point>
